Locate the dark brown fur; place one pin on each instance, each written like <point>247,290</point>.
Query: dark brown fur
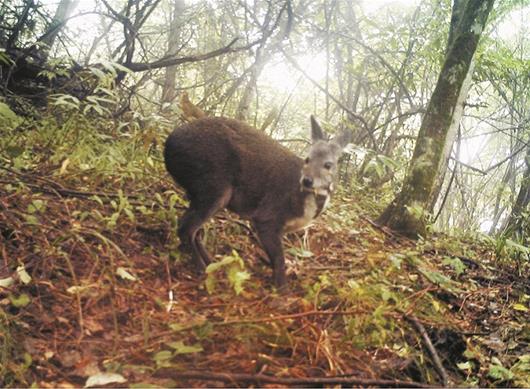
<point>224,163</point>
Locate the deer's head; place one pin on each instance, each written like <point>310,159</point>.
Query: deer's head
<point>320,165</point>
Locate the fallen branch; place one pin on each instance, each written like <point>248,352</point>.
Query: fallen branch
<point>261,379</point>
<point>434,354</point>
<point>384,229</point>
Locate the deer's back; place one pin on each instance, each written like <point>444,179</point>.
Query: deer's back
<point>213,152</point>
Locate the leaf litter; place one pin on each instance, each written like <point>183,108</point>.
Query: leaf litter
<point>94,292</point>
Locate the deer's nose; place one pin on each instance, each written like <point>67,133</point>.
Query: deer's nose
<point>307,182</point>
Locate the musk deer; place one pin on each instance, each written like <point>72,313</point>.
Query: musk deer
<point>224,163</point>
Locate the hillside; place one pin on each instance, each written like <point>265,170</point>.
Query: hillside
<point>94,288</point>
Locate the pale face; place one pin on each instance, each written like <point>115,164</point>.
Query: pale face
<point>320,166</point>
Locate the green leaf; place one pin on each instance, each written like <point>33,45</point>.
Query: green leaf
<point>439,279</point>
<point>416,211</point>
<point>162,355</point>
<point>520,307</point>
<point>237,277</point>
<point>210,283</point>
<point>396,260</point>
<point>6,113</point>
<point>181,348</point>
<point>36,205</point>
<point>234,270</point>
<point>177,327</point>
<point>31,219</point>
<point>20,301</point>
<point>129,214</point>
<point>458,266</point>
<point>67,101</point>
<point>521,371</point>
<point>498,372</point>
<point>98,73</point>
<point>159,198</point>
<point>97,199</point>
<point>300,253</point>
<point>214,267</point>
<point>4,58</point>
<point>162,358</point>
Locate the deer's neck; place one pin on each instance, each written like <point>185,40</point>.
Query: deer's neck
<point>310,206</point>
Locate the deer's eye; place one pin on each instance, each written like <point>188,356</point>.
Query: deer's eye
<point>328,165</point>
<point>307,160</point>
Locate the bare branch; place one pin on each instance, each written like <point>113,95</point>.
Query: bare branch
<point>163,63</point>
<point>335,100</point>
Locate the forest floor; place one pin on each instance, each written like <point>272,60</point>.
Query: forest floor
<point>94,292</point>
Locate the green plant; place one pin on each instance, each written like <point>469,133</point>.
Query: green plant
<point>234,270</point>
<point>14,362</point>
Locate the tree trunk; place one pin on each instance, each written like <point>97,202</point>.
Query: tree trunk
<point>451,135</point>
<point>454,29</point>
<point>248,93</point>
<point>409,210</point>
<point>168,88</point>
<point>499,208</point>
<point>516,221</point>
<point>63,12</point>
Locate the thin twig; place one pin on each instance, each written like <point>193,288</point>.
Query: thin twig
<point>335,100</point>
<point>434,354</point>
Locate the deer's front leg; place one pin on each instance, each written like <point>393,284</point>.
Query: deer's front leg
<point>270,236</point>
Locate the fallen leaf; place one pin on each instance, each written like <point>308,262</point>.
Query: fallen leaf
<point>23,275</point>
<point>120,271</point>
<point>181,348</point>
<point>102,379</point>
<point>6,282</point>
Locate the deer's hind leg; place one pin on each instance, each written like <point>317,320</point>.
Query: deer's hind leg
<point>203,205</point>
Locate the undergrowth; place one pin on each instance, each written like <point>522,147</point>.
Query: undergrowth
<point>93,286</point>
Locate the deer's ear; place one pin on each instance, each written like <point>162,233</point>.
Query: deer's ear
<point>343,138</point>
<point>316,130</point>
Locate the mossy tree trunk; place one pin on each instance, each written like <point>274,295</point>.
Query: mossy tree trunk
<point>408,212</point>
<point>456,17</point>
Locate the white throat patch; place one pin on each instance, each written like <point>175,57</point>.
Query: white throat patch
<point>310,212</point>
